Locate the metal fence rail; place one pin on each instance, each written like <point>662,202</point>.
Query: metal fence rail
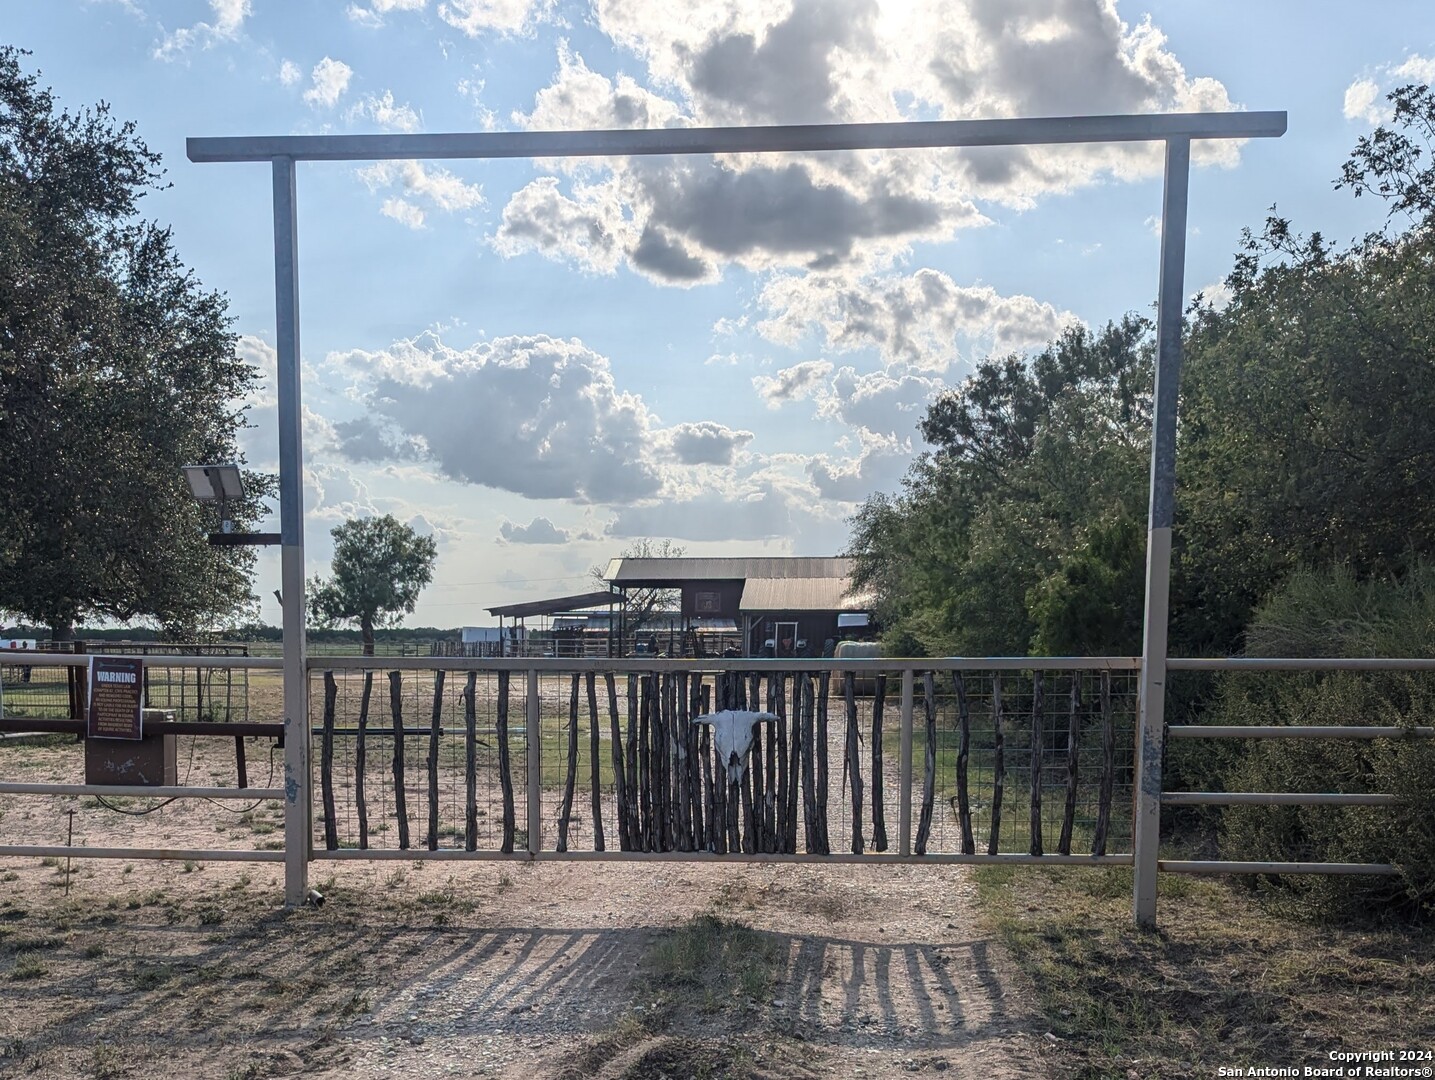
<point>1008,760</point>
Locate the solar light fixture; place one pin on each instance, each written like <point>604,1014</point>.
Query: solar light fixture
<point>223,484</point>
<point>214,483</point>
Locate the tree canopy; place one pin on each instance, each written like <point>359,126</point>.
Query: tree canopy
<point>116,368</point>
<point>380,566</point>
<point>1303,443</point>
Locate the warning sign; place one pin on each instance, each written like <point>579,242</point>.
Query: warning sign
<point>116,697</point>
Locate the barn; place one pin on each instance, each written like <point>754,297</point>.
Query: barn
<point>778,606</point>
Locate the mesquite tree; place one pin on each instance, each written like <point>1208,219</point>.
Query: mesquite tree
<point>116,368</point>
<point>380,565</point>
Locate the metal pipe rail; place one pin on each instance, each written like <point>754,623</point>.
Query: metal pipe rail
<point>1273,798</point>
<point>82,660</point>
<point>1203,866</point>
<point>141,792</point>
<point>1295,731</point>
<point>628,142</point>
<point>250,729</point>
<point>870,859</point>
<point>1305,663</point>
<point>626,665</point>
<point>169,854</point>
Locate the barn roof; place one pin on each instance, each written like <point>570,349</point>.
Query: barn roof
<point>796,594</point>
<point>580,602</point>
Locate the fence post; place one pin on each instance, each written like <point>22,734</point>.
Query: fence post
<point>298,781</point>
<point>904,826</point>
<point>1152,692</point>
<point>532,736</point>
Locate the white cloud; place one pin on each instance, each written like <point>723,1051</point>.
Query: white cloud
<point>537,416</point>
<point>706,443</point>
<point>474,17</point>
<point>330,79</point>
<point>538,531</point>
<point>884,402</point>
<point>879,467</point>
<point>681,221</point>
<point>290,73</point>
<point>229,16</point>
<point>382,110</point>
<point>759,510</point>
<point>435,187</point>
<point>1363,102</point>
<point>919,320</point>
<point>1416,68</point>
<point>588,229</point>
<point>799,381</point>
<point>404,212</point>
<point>373,14</point>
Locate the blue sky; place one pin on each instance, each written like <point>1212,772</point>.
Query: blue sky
<point>540,362</point>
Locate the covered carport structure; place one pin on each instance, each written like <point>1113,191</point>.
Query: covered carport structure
<point>558,605</point>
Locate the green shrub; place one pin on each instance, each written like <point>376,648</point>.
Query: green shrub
<point>1330,614</point>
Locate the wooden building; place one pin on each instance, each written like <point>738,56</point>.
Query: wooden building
<point>776,606</point>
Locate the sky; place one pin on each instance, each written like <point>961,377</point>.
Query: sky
<point>540,363</point>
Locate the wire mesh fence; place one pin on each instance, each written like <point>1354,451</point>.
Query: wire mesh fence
<point>427,759</point>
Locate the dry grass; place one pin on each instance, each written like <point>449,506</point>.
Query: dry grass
<point>1224,982</point>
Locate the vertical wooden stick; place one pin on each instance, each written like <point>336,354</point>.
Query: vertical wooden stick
<point>1108,768</point>
<point>326,763</point>
<point>852,760</point>
<point>1073,734</point>
<point>635,782</point>
<point>777,794</point>
<point>565,816</point>
<point>361,761</point>
<point>929,772</point>
<point>505,765</point>
<point>794,761</point>
<point>435,730</point>
<point>620,781</point>
<point>396,706</point>
<point>824,686</point>
<point>470,762</point>
<point>594,761</point>
<point>809,767</point>
<point>964,751</point>
<point>879,811</point>
<point>998,764</point>
<point>1038,708</point>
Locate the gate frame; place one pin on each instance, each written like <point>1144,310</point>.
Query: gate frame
<point>1175,130</point>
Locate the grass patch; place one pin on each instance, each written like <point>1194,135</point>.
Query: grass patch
<point>710,964</point>
<point>1223,982</point>
<point>29,965</point>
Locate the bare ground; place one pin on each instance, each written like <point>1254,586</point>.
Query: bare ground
<point>494,970</point>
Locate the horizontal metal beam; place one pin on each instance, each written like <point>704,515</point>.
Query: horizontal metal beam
<point>1202,866</point>
<point>17,658</point>
<point>626,142</point>
<point>139,854</point>
<point>137,791</point>
<point>459,855</point>
<point>1294,731</point>
<point>247,729</point>
<point>1272,798</point>
<point>1303,663</point>
<point>877,665</point>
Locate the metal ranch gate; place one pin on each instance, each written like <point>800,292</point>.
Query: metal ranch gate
<point>1022,759</point>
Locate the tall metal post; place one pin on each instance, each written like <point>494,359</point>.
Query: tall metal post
<point>1152,690</point>
<point>298,837</point>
